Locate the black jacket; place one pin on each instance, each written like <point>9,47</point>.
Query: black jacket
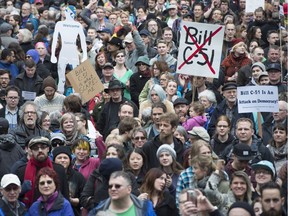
<point>260,151</point>
<point>7,211</point>
<point>167,206</point>
<point>150,148</point>
<point>218,146</point>
<point>221,110</point>
<point>21,133</point>
<point>137,83</point>
<point>10,152</point>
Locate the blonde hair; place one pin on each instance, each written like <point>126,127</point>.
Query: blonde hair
<point>237,45</point>
<point>27,35</point>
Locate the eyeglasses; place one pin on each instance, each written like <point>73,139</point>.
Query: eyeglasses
<point>42,183</point>
<point>120,56</point>
<point>4,78</point>
<point>140,64</point>
<point>140,138</point>
<point>36,148</point>
<point>11,187</point>
<point>30,112</point>
<point>116,186</point>
<point>13,98</point>
<point>265,172</point>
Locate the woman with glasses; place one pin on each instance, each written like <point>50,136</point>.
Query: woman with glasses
<point>122,73</point>
<point>222,137</point>
<point>45,121</point>
<point>51,202</point>
<point>153,188</point>
<point>139,137</point>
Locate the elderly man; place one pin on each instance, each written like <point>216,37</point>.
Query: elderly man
<point>40,147</point>
<point>29,115</point>
<point>28,17</point>
<point>5,34</point>
<point>10,190</point>
<point>120,198</point>
<point>50,101</point>
<point>228,107</point>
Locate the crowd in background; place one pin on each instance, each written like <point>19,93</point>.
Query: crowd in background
<point>153,142</point>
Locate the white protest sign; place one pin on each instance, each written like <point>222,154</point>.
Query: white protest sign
<point>200,49</point>
<point>252,5</point>
<point>257,99</point>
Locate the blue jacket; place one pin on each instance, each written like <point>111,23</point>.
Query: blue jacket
<point>61,207</point>
<point>143,208</point>
<point>12,68</point>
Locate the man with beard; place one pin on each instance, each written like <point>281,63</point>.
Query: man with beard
<point>181,107</point>
<point>271,200</point>
<point>109,115</point>
<point>40,147</point>
<point>155,30</point>
<point>5,78</point>
<point>168,123</point>
<point>29,115</point>
<point>51,100</point>
<point>228,107</point>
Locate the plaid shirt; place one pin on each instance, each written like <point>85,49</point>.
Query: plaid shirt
<point>184,181</point>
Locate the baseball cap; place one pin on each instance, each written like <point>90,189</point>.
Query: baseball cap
<point>105,30</point>
<point>243,152</point>
<point>39,140</point>
<point>144,32</point>
<point>180,101</point>
<point>274,66</point>
<point>5,27</point>
<point>264,164</point>
<point>200,132</point>
<point>108,65</point>
<point>128,38</point>
<point>8,179</point>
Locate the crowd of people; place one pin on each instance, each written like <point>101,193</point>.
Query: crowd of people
<point>153,142</point>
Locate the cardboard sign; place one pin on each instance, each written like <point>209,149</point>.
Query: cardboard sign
<point>257,99</point>
<point>85,81</point>
<point>200,49</point>
<point>252,5</point>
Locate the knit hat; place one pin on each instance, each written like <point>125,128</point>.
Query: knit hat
<point>201,133</point>
<point>259,64</point>
<point>110,165</point>
<point>4,124</point>
<point>62,150</point>
<point>242,205</point>
<point>34,54</point>
<point>166,148</point>
<point>49,81</point>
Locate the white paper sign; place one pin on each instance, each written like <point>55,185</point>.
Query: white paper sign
<point>27,95</point>
<point>200,49</point>
<point>252,5</point>
<point>257,99</point>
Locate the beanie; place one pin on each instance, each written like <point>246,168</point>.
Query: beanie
<point>110,165</point>
<point>62,150</point>
<point>243,205</point>
<point>166,148</point>
<point>49,81</point>
<point>34,54</point>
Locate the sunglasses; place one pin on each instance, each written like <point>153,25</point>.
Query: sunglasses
<point>139,138</point>
<point>28,57</point>
<point>116,186</point>
<point>140,64</point>
<point>11,187</point>
<point>56,143</point>
<point>42,183</point>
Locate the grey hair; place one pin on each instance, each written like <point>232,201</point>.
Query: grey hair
<point>209,95</point>
<point>27,35</point>
<point>123,175</point>
<point>159,91</point>
<point>23,107</point>
<point>180,129</point>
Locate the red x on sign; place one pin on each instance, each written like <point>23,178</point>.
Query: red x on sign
<point>198,50</point>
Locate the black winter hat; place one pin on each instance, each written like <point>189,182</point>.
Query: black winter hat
<point>110,165</point>
<point>62,149</point>
<point>243,205</point>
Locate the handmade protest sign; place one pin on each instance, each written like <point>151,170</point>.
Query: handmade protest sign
<point>200,49</point>
<point>85,81</point>
<point>252,5</point>
<point>68,30</point>
<point>257,99</point>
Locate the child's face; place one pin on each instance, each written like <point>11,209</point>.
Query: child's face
<point>192,112</point>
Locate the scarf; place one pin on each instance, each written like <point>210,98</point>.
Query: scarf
<point>49,202</point>
<point>30,175</point>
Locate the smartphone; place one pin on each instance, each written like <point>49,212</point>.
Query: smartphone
<point>192,196</point>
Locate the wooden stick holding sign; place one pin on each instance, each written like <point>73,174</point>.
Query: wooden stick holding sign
<point>85,81</point>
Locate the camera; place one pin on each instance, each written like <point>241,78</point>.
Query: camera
<point>192,196</point>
